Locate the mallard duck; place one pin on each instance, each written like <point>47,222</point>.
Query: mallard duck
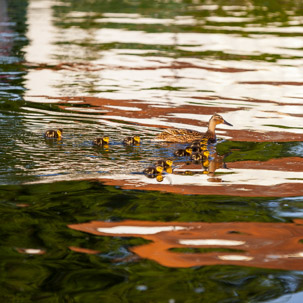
<point>203,155</point>
<point>101,141</point>
<point>132,140</point>
<point>183,152</point>
<point>153,170</point>
<point>165,163</point>
<point>186,135</point>
<point>53,134</point>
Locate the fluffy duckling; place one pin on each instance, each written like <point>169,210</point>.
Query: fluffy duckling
<point>53,134</point>
<point>186,135</point>
<point>183,152</point>
<point>153,170</point>
<point>165,163</point>
<point>132,140</point>
<point>101,141</point>
<point>199,156</point>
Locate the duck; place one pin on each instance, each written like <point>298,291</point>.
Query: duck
<point>53,134</point>
<point>153,170</point>
<point>164,163</point>
<point>131,140</point>
<point>187,135</point>
<point>183,152</point>
<point>200,156</point>
<point>101,141</point>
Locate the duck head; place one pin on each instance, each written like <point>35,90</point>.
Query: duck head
<point>217,119</point>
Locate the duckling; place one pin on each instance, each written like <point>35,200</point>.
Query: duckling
<point>53,134</point>
<point>195,149</point>
<point>165,163</point>
<point>132,140</point>
<point>153,170</point>
<point>199,156</point>
<point>186,135</point>
<point>101,141</point>
<point>183,152</point>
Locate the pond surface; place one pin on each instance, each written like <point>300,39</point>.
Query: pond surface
<point>81,223</point>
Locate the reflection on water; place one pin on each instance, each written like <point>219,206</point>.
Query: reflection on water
<point>269,245</point>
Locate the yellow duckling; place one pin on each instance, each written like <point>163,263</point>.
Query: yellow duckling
<point>199,155</point>
<point>53,134</point>
<point>101,141</point>
<point>165,163</point>
<point>153,170</point>
<point>183,152</point>
<point>186,135</point>
<point>132,140</point>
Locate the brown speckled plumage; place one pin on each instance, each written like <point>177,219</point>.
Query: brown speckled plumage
<point>187,135</point>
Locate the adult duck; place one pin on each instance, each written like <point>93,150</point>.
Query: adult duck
<point>187,135</point>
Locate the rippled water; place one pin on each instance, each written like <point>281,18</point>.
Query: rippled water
<point>121,68</point>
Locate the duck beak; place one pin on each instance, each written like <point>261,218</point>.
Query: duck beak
<point>225,122</point>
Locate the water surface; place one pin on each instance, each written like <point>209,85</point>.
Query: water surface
<point>124,68</point>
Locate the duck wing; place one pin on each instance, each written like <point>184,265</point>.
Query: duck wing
<point>179,135</point>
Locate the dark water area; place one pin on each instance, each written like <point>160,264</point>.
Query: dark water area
<point>83,223</point>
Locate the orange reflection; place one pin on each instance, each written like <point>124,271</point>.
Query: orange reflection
<point>268,245</point>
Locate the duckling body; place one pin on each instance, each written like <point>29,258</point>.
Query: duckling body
<point>186,135</point>
<point>53,134</point>
<point>153,170</point>
<point>199,156</point>
<point>132,140</point>
<point>164,163</point>
<point>101,141</point>
<point>183,152</point>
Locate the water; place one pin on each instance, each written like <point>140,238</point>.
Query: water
<point>124,68</point>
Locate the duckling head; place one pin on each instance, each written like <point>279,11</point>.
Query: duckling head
<point>169,162</point>
<point>105,140</point>
<point>159,169</point>
<point>206,153</point>
<point>137,139</point>
<point>59,132</point>
<point>189,150</point>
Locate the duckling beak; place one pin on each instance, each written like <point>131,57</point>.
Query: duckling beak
<point>227,123</point>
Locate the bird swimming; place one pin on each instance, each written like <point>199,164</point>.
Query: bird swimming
<point>131,140</point>
<point>187,135</point>
<point>183,152</point>
<point>53,134</point>
<point>101,141</point>
<point>153,170</point>
<point>164,163</point>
